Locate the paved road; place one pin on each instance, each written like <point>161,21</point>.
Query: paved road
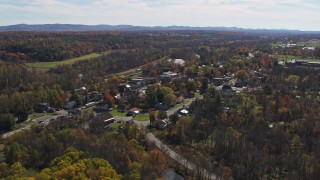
<point>175,109</point>
<point>45,119</point>
<point>171,153</point>
<point>180,159</point>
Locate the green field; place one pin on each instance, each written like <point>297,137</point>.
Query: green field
<point>289,57</point>
<point>309,44</point>
<point>48,65</point>
<point>277,44</point>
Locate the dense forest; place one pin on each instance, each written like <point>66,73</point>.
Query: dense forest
<point>251,115</point>
<point>35,46</point>
<point>72,152</point>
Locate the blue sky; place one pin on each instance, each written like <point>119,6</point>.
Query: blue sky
<point>271,14</point>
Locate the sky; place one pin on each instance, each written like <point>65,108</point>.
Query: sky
<point>261,14</point>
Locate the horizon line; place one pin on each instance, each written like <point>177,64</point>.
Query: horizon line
<point>166,26</point>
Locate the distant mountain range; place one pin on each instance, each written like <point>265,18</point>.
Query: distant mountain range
<point>80,27</point>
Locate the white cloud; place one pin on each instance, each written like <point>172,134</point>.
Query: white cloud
<point>291,14</point>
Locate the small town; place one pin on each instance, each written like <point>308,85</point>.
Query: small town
<point>159,90</point>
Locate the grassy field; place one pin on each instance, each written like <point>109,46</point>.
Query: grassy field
<point>277,44</point>
<point>48,65</point>
<point>309,44</point>
<point>289,57</point>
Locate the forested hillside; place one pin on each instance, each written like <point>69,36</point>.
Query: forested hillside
<point>46,47</point>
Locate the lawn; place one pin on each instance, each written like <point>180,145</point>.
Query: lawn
<point>29,121</point>
<point>115,112</point>
<point>313,60</point>
<point>21,125</point>
<point>142,117</point>
<point>134,75</point>
<point>115,126</point>
<point>48,65</point>
<point>287,57</point>
<point>139,117</point>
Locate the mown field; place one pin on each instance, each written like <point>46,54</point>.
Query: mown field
<point>290,57</point>
<point>314,43</point>
<point>309,44</point>
<point>48,65</point>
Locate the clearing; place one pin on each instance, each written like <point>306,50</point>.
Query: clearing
<point>48,65</point>
<point>289,57</point>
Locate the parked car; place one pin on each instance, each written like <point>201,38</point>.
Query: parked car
<point>50,110</point>
<point>40,122</point>
<point>121,108</point>
<point>129,113</point>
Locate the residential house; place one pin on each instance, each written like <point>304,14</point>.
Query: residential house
<point>42,107</point>
<point>218,81</point>
<point>150,80</point>
<point>94,96</point>
<point>227,89</point>
<point>136,83</point>
<point>179,99</point>
<point>101,107</point>
<point>75,112</point>
<point>167,76</point>
<point>69,105</point>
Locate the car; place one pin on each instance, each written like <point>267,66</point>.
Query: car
<point>50,110</point>
<point>121,108</point>
<point>40,122</point>
<point>129,113</point>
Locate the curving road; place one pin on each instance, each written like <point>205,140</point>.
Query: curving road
<point>45,119</point>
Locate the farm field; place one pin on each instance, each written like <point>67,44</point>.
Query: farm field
<point>48,65</point>
<point>315,43</point>
<point>289,57</point>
